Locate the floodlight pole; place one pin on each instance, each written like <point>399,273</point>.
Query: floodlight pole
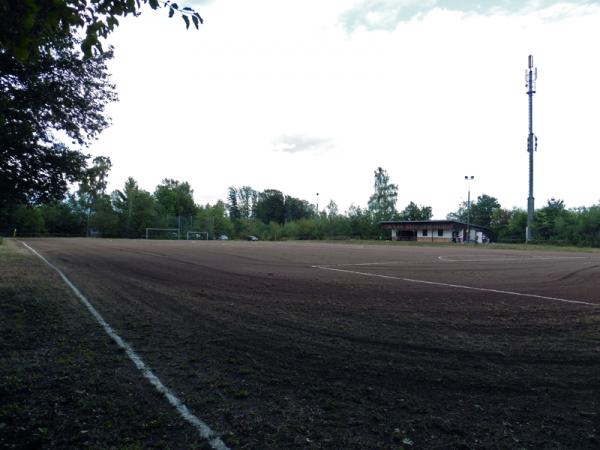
<point>317,204</point>
<point>469,178</point>
<point>530,78</point>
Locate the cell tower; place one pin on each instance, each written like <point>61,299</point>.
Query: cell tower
<point>530,81</point>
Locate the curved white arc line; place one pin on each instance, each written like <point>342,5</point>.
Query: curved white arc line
<point>459,286</point>
<point>205,431</point>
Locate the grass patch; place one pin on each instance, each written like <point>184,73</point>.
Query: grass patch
<point>9,248</point>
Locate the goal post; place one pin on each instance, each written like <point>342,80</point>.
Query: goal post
<point>197,235</point>
<point>162,233</point>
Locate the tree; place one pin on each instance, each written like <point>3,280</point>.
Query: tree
<point>413,212</point>
<point>124,201</point>
<point>588,226</point>
<point>60,219</point>
<point>361,223</point>
<point>296,209</point>
<point>28,220</point>
<point>27,28</point>
<point>247,200</point>
<point>382,204</point>
<point>509,225</point>
<point>459,215</point>
<point>232,206</point>
<point>104,221</point>
<point>213,219</point>
<point>332,209</point>
<point>481,212</point>
<point>135,208</point>
<point>92,190</point>
<point>57,91</point>
<point>175,198</point>
<point>143,214</point>
<point>547,217</point>
<point>270,206</point>
<point>48,85</point>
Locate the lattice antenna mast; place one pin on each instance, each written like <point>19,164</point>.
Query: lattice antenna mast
<point>530,83</point>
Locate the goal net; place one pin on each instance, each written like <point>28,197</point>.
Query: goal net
<point>197,235</point>
<point>162,233</point>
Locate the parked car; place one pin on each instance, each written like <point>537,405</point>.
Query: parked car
<point>252,238</point>
<point>223,237</point>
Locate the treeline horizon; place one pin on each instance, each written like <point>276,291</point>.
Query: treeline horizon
<point>272,215</point>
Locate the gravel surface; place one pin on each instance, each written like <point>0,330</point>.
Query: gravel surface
<point>274,353</point>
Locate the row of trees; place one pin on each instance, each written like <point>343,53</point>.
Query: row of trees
<point>553,223</point>
<point>272,215</point>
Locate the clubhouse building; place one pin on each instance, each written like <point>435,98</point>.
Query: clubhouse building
<point>436,231</point>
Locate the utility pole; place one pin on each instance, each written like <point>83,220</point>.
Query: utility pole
<point>530,79</point>
<point>469,178</point>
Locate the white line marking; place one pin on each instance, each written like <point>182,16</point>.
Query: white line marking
<point>458,286</point>
<point>205,431</point>
<point>509,258</point>
<point>379,263</point>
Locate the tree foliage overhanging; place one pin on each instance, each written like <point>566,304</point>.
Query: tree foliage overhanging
<point>58,92</point>
<point>54,87</point>
<point>28,27</point>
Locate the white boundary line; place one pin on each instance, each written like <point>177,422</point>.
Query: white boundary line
<point>205,431</point>
<point>508,258</point>
<point>447,259</point>
<point>458,286</point>
<point>377,263</point>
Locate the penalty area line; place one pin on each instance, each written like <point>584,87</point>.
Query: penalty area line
<point>457,286</point>
<point>203,429</point>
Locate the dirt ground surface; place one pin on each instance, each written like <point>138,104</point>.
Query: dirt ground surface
<point>301,345</point>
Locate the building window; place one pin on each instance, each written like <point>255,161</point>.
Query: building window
<point>425,232</point>
<point>440,233</point>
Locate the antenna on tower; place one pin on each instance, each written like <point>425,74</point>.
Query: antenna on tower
<point>530,84</point>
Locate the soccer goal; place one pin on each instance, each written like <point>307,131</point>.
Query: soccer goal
<point>162,233</point>
<point>197,235</point>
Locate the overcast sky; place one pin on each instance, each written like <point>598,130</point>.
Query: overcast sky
<point>312,96</point>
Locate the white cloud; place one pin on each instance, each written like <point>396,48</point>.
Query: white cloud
<point>300,143</point>
<point>387,14</point>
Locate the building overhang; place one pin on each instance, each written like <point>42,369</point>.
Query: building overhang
<point>413,225</point>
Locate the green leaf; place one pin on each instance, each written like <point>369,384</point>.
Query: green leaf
<point>171,12</point>
<point>153,3</point>
<point>195,20</point>
<point>187,21</point>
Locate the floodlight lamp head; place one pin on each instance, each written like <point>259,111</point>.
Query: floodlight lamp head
<point>531,61</point>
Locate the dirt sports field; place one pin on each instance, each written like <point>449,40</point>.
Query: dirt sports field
<point>302,345</point>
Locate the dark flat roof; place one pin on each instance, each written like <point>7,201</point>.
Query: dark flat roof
<point>430,222</point>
